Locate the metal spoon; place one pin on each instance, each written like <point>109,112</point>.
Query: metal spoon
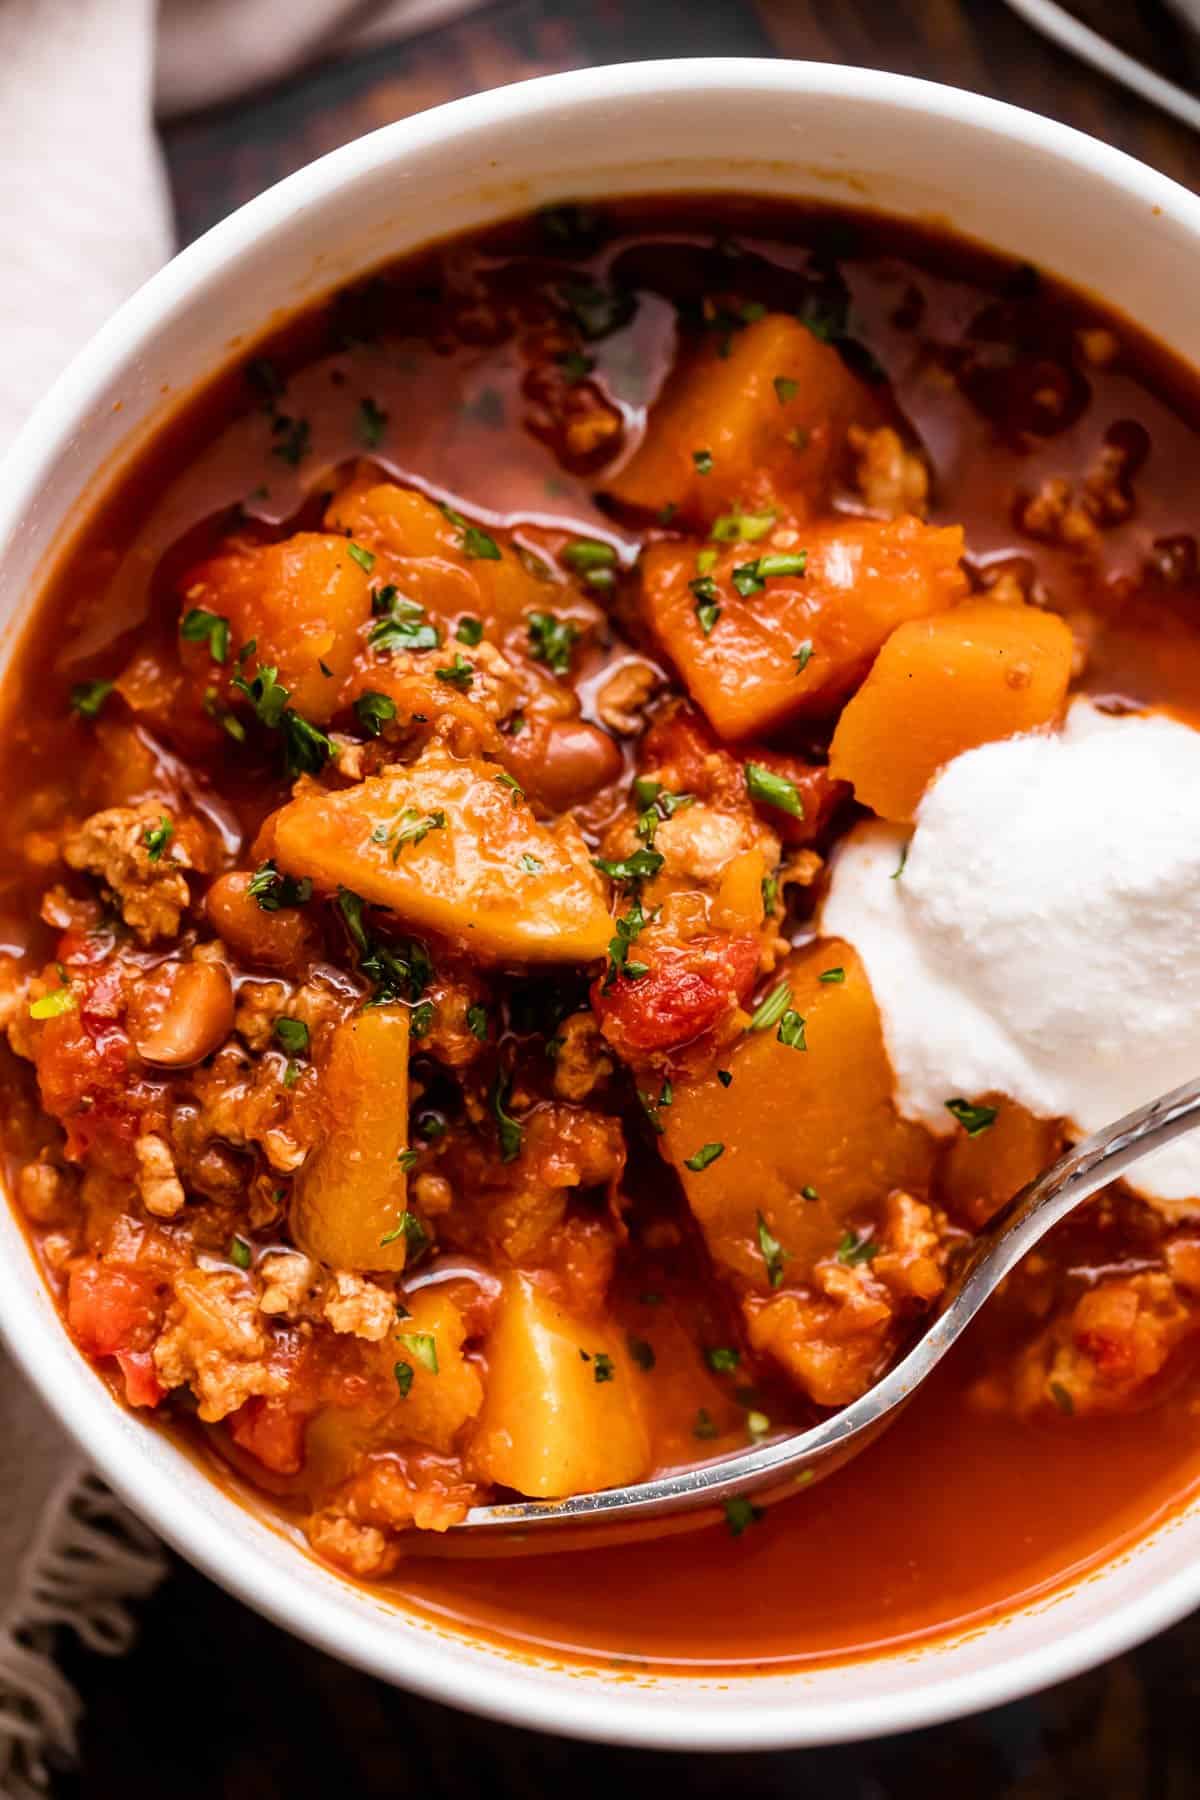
<point>773,1470</point>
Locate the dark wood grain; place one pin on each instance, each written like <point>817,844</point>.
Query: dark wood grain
<point>216,1702</point>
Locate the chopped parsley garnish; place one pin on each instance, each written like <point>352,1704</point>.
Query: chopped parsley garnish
<point>704,1426</point>
<point>372,423</point>
<point>373,711</point>
<point>239,1252</point>
<point>772,789</point>
<point>403,627</point>
<point>725,1077</point>
<point>364,558</point>
<point>898,871</point>
<point>773,1253</point>
<point>791,1030</point>
<point>157,837</point>
<point>201,627</point>
<point>508,1129</point>
<point>469,631</point>
<point>410,827</point>
<point>722,1359</point>
<point>597,310</point>
<point>422,1345</point>
<point>293,1035</point>
<point>408,1159</point>
<point>706,561</point>
<point>588,556</point>
<point>770,893</point>
<point>751,577</point>
<point>53,1005</point>
<point>404,1378</point>
<point>274,891</point>
<point>295,439</point>
<point>639,867</point>
<point>808,1192</point>
<point>742,528</point>
<point>771,1008</point>
<point>802,656</point>
<point>785,389</point>
<point>477,1022</point>
<point>658,804</point>
<point>854,1250</point>
<point>973,1119</point>
<point>88,697</point>
<point>459,674</point>
<point>628,929</point>
<point>420,1020</point>
<point>602,1367</point>
<point>409,1226</point>
<point>830,976</point>
<point>703,461</point>
<point>479,546</point>
<point>399,969</point>
<point>531,865</point>
<point>552,640</point>
<point>641,1352</point>
<point>306,749</point>
<point>708,607</point>
<point>703,1158</point>
<point>504,779</point>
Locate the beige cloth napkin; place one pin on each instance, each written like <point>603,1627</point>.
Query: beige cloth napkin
<point>84,220</point>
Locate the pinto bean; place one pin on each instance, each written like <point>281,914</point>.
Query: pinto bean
<point>274,940</point>
<point>181,1014</point>
<point>564,763</point>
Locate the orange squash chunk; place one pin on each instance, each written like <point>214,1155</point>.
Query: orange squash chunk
<point>349,1198</point>
<point>302,602</point>
<point>978,1175</point>
<point>451,845</point>
<point>796,644</point>
<point>772,416</point>
<point>942,685</point>
<point>811,1140</point>
<point>448,568</point>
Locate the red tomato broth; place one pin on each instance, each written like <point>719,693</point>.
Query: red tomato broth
<point>995,1509</point>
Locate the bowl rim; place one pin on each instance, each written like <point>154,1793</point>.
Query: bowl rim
<point>500,1685</point>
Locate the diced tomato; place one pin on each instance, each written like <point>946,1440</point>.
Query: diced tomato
<point>272,1431</point>
<point>688,989</point>
<point>113,1309</point>
<point>142,1386</point>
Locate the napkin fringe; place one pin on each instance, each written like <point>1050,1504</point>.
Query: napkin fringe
<point>89,1558</point>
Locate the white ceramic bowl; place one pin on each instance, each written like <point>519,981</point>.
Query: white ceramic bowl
<point>1013,180</point>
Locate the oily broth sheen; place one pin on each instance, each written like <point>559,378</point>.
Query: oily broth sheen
<point>959,1514</point>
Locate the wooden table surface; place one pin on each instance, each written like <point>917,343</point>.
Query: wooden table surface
<point>216,1702</point>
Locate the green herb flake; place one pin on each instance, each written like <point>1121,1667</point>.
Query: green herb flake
<point>629,928</point>
<point>508,1129</point>
<point>200,627</point>
<point>742,528</point>
<point>552,640</point>
<point>373,711</point>
<point>706,561</point>
<point>771,1008</point>
<point>404,1378</point>
<point>372,423</point>
<point>785,389</point>
<point>802,656</point>
<point>642,1352</point>
<point>703,461</point>
<point>973,1119</point>
<point>459,674</point>
<point>772,789</point>
<point>703,1158</point>
<point>898,871</point>
<point>641,866</point>
<point>402,626</point>
<point>725,1077</point>
<point>791,1030</point>
<point>410,828</point>
<point>88,697</point>
<point>854,1250</point>
<point>722,1359</point>
<point>422,1345</point>
<point>740,1514</point>
<point>588,554</point>
<point>469,631</point>
<point>408,1159</point>
<point>157,837</point>
<point>832,977</point>
<point>531,865</point>
<point>239,1252</point>
<point>808,1192</point>
<point>602,1367</point>
<point>480,546</point>
<point>274,891</point>
<point>773,1253</point>
<point>504,779</point>
<point>364,558</point>
<point>477,1022</point>
<point>293,1035</point>
<point>770,893</point>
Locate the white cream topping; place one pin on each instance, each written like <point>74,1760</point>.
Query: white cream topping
<point>1043,938</point>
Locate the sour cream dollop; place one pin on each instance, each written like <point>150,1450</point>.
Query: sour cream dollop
<point>1043,937</point>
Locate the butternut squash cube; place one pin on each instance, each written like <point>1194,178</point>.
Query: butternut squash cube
<point>767,420</point>
<point>349,1199</point>
<point>942,685</point>
<point>562,1413</point>
<point>444,1390</point>
<point>978,1175</point>
<point>756,650</point>
<point>301,601</point>
<point>808,1133</point>
<point>447,566</point>
<point>452,846</point>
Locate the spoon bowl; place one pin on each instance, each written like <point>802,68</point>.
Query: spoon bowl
<point>772,1471</point>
